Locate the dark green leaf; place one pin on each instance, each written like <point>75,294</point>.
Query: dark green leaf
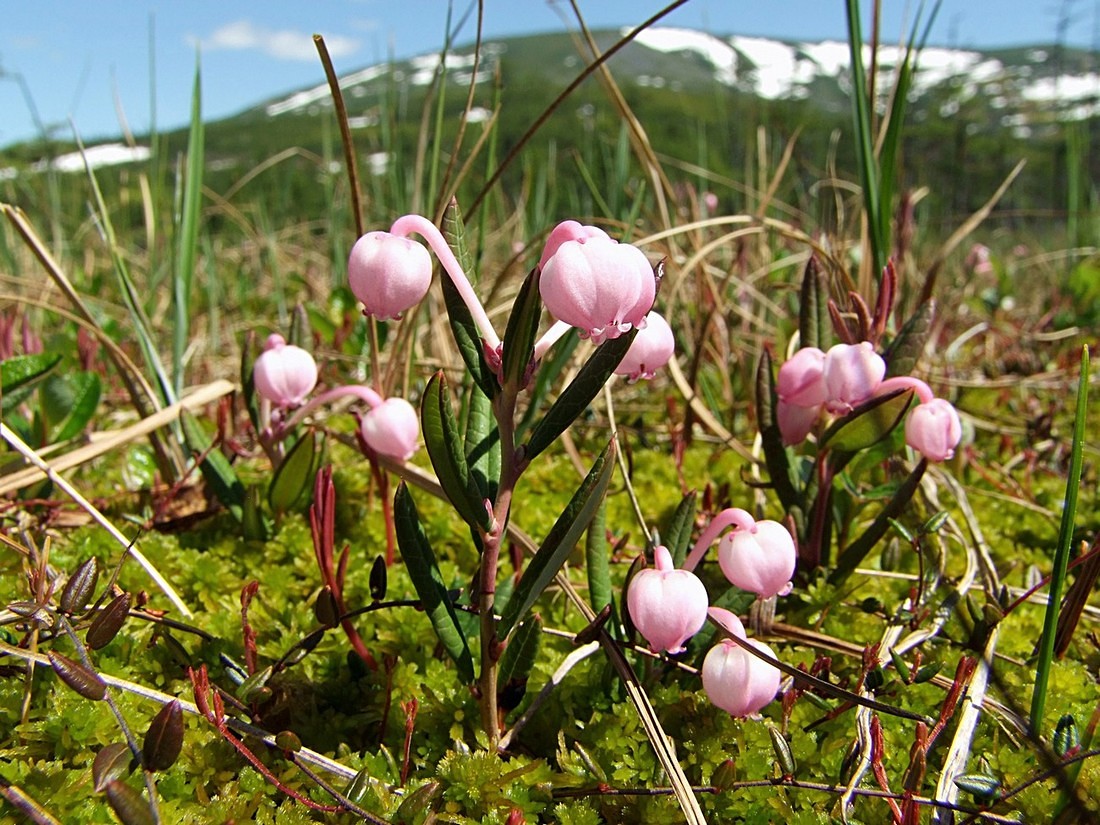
<point>597,562</point>
<point>164,738</point>
<point>111,763</point>
<point>24,369</point>
<point>868,423</point>
<point>546,377</point>
<point>247,690</point>
<point>576,397</point>
<point>248,383</point>
<point>80,586</point>
<point>108,622</point>
<point>216,469</point>
<point>84,681</point>
<point>1066,737</point>
<point>129,806</point>
<point>416,807</point>
<point>677,538</point>
<point>448,458</point>
<point>294,474</point>
<point>357,788</point>
<point>482,443</point>
<point>782,749</point>
<point>981,785</point>
<point>378,578</point>
<point>325,609</point>
<point>560,541</point>
<point>428,581</point>
<point>519,338</point>
<point>522,651</point>
<point>813,315</point>
<point>775,454</point>
<point>465,331</point>
<point>69,402</point>
<point>902,354</point>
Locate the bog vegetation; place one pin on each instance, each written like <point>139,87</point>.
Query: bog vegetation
<point>269,558</point>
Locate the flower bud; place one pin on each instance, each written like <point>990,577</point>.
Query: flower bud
<point>802,378</point>
<point>760,560</point>
<point>934,430</point>
<point>602,287</point>
<point>392,429</point>
<point>795,422</point>
<point>389,274</point>
<point>738,682</point>
<point>668,606</point>
<point>852,374</point>
<point>651,349</point>
<point>284,374</point>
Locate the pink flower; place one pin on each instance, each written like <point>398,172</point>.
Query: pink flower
<point>388,274</point>
<point>802,378</point>
<point>852,374</point>
<point>568,231</point>
<point>392,429</point>
<point>795,422</point>
<point>738,682</point>
<point>668,606</point>
<point>934,430</point>
<point>284,374</point>
<point>760,559</point>
<point>591,282</point>
<point>651,349</point>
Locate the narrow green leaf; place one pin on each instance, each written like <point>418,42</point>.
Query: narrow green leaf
<point>80,587</point>
<point>84,681</point>
<point>771,439</point>
<point>576,397</point>
<point>129,806</point>
<point>482,445</point>
<point>597,562</point>
<point>813,315</point>
<point>677,538</point>
<point>248,384</point>
<point>560,541</point>
<point>546,376</point>
<point>522,651</point>
<point>215,467</point>
<point>111,763</point>
<point>444,447</point>
<point>79,396</point>
<point>108,622</point>
<point>868,423</point>
<point>20,370</point>
<point>428,581</point>
<point>465,331</point>
<point>164,738</point>
<point>865,141</point>
<point>294,474</point>
<point>519,338</point>
<point>902,354</point>
<point>188,235</point>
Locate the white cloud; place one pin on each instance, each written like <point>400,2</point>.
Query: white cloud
<point>284,44</point>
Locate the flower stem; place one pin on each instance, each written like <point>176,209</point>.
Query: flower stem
<point>730,517</point>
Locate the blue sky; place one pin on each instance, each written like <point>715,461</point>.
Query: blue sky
<point>75,59</point>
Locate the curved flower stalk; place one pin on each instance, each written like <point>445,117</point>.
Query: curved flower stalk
<point>933,428</point>
<point>757,556</point>
<point>668,606</point>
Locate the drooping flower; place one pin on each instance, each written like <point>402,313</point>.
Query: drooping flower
<point>591,282</point>
<point>568,231</point>
<point>852,373</point>
<point>391,428</point>
<point>933,429</point>
<point>795,422</point>
<point>651,349</point>
<point>284,374</point>
<point>735,680</point>
<point>389,274</point>
<point>760,559</point>
<point>667,606</point>
<point>802,378</point>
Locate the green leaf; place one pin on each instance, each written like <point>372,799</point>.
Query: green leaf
<point>70,401</point>
<point>771,439</point>
<point>560,541</point>
<point>902,354</point>
<point>545,377</point>
<point>522,651</point>
<point>448,458</point>
<point>428,581</point>
<point>813,316</point>
<point>482,443</point>
<point>519,338</point>
<point>677,537</point>
<point>294,474</point>
<point>187,238</point>
<point>248,383</point>
<point>868,423</point>
<point>25,369</point>
<point>597,562</point>
<point>465,331</point>
<point>216,469</point>
<point>576,397</point>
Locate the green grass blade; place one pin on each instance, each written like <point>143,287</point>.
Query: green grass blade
<point>865,143</point>
<point>188,236</point>
<point>1061,552</point>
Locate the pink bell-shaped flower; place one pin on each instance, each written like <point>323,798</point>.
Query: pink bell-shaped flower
<point>602,287</point>
<point>760,559</point>
<point>392,429</point>
<point>568,231</point>
<point>651,349</point>
<point>283,373</point>
<point>802,379</point>
<point>668,606</point>
<point>933,429</point>
<point>389,274</point>
<point>734,679</point>
<point>852,374</point>
<point>795,422</point>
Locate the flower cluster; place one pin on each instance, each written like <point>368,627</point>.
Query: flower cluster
<point>668,606</point>
<point>284,375</point>
<point>848,375</point>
